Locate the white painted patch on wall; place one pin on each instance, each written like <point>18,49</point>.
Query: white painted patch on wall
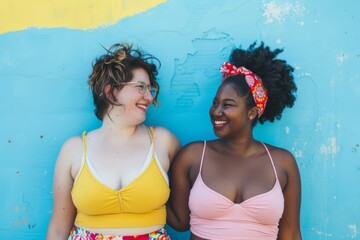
<point>279,12</point>
<point>303,74</point>
<point>298,154</point>
<point>354,232</point>
<point>297,144</point>
<point>341,58</point>
<point>287,130</point>
<point>318,232</point>
<point>318,125</point>
<point>330,148</point>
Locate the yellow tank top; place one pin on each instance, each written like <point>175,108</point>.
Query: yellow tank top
<point>139,204</point>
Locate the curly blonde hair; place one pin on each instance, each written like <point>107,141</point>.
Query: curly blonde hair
<point>115,68</point>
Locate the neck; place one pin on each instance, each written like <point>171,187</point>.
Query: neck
<point>117,130</point>
<point>243,147</point>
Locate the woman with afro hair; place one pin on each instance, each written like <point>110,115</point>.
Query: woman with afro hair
<point>235,187</point>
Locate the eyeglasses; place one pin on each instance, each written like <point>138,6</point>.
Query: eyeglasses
<point>141,86</point>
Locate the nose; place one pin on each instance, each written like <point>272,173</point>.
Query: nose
<point>218,111</point>
<point>148,95</point>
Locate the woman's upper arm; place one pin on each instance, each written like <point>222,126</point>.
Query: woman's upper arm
<point>64,211</point>
<point>178,215</point>
<point>289,226</point>
<point>168,141</point>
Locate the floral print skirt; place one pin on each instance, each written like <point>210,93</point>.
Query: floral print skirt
<point>77,233</point>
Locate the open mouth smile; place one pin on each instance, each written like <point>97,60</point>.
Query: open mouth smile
<point>142,107</point>
<point>219,124</point>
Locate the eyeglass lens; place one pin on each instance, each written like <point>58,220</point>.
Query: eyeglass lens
<point>143,86</point>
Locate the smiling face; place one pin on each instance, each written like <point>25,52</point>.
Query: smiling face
<point>229,114</point>
<point>134,99</point>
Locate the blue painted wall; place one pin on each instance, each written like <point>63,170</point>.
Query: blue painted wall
<point>44,98</point>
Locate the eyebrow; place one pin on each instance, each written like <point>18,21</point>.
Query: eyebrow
<point>227,100</point>
<point>139,82</point>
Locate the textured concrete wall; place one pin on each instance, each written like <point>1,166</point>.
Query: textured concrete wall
<point>46,51</point>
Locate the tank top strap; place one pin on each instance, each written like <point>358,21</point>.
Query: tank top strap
<point>84,137</point>
<point>202,156</point>
<point>272,162</point>
<point>83,160</point>
<point>152,135</point>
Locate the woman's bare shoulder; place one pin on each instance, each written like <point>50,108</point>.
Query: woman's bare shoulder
<point>163,133</point>
<point>190,153</point>
<point>71,150</point>
<point>193,147</point>
<point>72,144</point>
<point>282,156</point>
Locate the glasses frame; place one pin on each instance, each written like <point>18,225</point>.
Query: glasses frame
<point>142,86</point>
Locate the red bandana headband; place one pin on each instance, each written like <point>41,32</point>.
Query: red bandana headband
<point>257,88</point>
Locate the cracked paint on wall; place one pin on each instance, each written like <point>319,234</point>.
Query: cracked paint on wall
<point>190,80</point>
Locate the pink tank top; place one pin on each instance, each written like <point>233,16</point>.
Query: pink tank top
<point>213,216</point>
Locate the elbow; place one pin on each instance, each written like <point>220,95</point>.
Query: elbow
<point>180,224</point>
<point>178,220</point>
<point>180,227</point>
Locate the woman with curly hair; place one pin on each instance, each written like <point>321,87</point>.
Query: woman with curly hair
<point>111,183</point>
<point>236,187</point>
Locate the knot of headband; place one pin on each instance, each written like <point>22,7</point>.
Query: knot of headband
<point>257,88</point>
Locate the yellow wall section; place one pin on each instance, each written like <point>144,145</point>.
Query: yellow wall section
<point>82,14</point>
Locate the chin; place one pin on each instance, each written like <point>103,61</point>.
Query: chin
<point>141,120</point>
<point>218,133</point>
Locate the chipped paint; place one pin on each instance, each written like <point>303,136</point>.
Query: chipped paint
<point>277,12</point>
<point>319,124</point>
<point>355,148</point>
<point>354,231</point>
<point>330,148</point>
<point>287,130</point>
<point>341,58</point>
<point>321,233</point>
<point>298,143</point>
<point>298,154</point>
<point>23,221</point>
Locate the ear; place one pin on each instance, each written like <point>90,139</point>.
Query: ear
<point>252,113</point>
<point>107,92</point>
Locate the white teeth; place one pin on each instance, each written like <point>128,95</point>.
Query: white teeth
<point>142,106</point>
<point>220,122</point>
